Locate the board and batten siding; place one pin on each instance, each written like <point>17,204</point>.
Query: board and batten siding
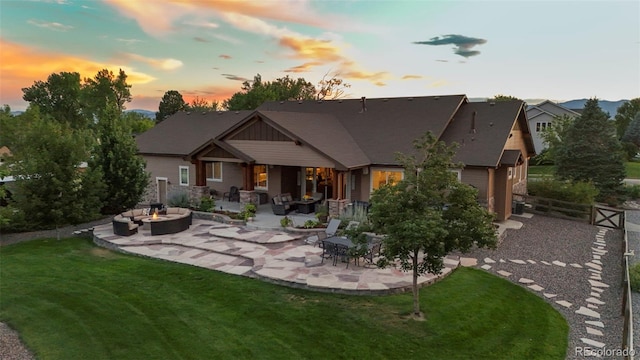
<point>281,153</point>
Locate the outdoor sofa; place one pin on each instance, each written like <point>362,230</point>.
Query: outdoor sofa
<point>124,226</point>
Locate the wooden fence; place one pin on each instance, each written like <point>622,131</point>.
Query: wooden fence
<point>556,208</point>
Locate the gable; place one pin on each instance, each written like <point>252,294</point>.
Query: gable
<point>257,129</point>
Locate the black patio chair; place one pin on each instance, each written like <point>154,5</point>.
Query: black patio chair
<point>328,250</point>
<point>342,252</point>
<point>232,195</point>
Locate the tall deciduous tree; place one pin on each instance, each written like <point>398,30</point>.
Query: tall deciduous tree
<point>103,90</point>
<point>591,152</point>
<point>124,171</point>
<point>501,97</point>
<point>171,103</point>
<point>429,213</point>
<point>256,92</point>
<point>51,186</point>
<point>626,113</point>
<point>202,105</point>
<point>331,88</point>
<point>59,97</point>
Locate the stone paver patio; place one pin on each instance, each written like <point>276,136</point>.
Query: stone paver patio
<point>270,255</point>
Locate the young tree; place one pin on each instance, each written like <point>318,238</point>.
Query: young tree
<point>591,152</point>
<point>116,155</point>
<point>171,103</point>
<point>59,97</point>
<point>626,113</point>
<point>553,136</point>
<point>429,213</point>
<point>51,187</point>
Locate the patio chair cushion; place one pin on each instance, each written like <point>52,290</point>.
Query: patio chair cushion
<point>277,200</point>
<point>287,197</point>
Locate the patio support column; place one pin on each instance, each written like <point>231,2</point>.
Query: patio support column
<point>334,184</point>
<point>201,172</point>
<point>248,181</point>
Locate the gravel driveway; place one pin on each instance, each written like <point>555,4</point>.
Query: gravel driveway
<point>556,260</point>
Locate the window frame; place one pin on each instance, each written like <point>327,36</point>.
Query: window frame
<point>256,181</point>
<point>213,173</point>
<point>180,169</point>
<point>372,171</point>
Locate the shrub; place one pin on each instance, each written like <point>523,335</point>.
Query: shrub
<point>577,192</point>
<point>634,277</point>
<point>179,199</point>
<point>632,191</point>
<point>310,224</point>
<point>286,221</point>
<point>207,204</point>
<point>359,212</point>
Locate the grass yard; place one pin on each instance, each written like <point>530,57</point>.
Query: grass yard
<point>632,168</point>
<point>72,300</point>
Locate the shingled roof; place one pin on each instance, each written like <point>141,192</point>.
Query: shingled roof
<point>379,127</point>
<point>482,130</point>
<point>179,134</point>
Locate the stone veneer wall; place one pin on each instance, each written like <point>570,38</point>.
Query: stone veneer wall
<point>336,207</point>
<point>195,193</point>
<point>249,197</point>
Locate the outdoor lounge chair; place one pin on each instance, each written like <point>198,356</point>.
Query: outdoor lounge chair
<point>232,195</point>
<point>330,231</point>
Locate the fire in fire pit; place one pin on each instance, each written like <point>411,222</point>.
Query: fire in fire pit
<point>154,216</point>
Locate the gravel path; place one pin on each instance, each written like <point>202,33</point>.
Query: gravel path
<point>11,348</point>
<point>569,242</point>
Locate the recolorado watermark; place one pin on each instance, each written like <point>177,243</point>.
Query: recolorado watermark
<point>603,352</point>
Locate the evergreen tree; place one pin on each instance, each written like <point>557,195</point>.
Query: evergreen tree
<point>632,134</point>
<point>171,103</point>
<point>591,152</point>
<point>124,171</point>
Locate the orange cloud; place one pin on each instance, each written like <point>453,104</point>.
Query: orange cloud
<point>224,56</point>
<point>307,48</point>
<point>409,77</point>
<point>306,67</point>
<point>21,66</point>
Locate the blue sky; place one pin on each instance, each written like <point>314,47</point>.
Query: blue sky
<point>557,50</point>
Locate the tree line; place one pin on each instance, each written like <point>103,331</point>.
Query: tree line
<point>73,154</point>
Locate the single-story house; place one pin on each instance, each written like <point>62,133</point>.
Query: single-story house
<point>542,116</point>
<point>343,149</point>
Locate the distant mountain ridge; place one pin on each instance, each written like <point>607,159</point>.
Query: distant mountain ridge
<point>607,106</point>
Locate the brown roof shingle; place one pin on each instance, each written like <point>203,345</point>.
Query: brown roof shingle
<point>182,132</point>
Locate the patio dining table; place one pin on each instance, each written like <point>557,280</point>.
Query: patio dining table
<point>345,241</point>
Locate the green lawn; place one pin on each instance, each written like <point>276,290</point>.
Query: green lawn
<point>72,300</point>
<point>632,168</point>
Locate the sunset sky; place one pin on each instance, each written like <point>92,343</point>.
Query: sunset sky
<point>557,50</point>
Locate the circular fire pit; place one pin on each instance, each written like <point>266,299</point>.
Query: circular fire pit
<point>176,220</point>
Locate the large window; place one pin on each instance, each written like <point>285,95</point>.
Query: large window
<point>214,171</point>
<point>382,177</point>
<point>184,175</point>
<point>260,176</point>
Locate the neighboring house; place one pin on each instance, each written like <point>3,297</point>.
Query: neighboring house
<point>542,116</point>
<point>344,149</point>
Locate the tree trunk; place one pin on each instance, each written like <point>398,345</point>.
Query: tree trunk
<point>416,294</point>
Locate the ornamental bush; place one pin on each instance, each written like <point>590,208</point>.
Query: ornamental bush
<point>576,192</point>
